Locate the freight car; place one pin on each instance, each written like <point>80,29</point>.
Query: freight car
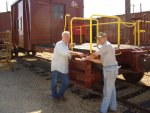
<point>38,23</point>
<point>133,59</point>
<point>5,21</point>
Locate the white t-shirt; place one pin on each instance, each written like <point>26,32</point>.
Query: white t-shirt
<point>60,58</point>
<point>107,53</point>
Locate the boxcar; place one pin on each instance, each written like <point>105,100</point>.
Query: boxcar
<point>5,21</point>
<point>36,22</point>
<point>5,24</point>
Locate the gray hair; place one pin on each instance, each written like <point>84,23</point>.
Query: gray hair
<point>65,33</point>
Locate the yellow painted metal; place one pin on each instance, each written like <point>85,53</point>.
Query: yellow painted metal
<point>118,22</point>
<point>91,34</point>
<point>71,26</point>
<point>138,30</point>
<point>142,31</point>
<point>98,15</point>
<point>147,22</point>
<point>81,40</point>
<point>128,24</point>
<point>66,16</point>
<point>107,23</point>
<point>134,33</point>
<point>71,33</point>
<point>84,25</point>
<point>97,28</point>
<point>119,27</point>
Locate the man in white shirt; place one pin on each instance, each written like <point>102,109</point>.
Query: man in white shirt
<point>59,65</point>
<point>110,72</point>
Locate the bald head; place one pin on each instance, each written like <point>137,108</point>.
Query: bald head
<point>66,36</point>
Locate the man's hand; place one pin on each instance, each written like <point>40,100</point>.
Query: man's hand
<point>85,58</point>
<point>71,45</point>
<point>91,59</point>
<point>77,53</point>
<point>81,54</point>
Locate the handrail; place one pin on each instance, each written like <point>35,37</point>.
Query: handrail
<point>66,15</point>
<point>147,22</point>
<point>81,35</point>
<point>126,24</point>
<point>138,27</point>
<point>71,26</point>
<point>107,23</point>
<point>140,30</point>
<point>134,32</point>
<point>115,17</point>
<point>118,22</point>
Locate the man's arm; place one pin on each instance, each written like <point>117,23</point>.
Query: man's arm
<point>92,56</point>
<point>96,61</point>
<point>76,53</point>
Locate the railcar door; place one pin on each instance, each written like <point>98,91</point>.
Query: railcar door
<point>58,21</point>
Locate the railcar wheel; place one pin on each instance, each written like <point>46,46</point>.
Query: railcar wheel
<point>15,52</point>
<point>33,53</point>
<point>133,77</point>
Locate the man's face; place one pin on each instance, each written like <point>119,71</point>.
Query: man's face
<point>100,41</point>
<point>66,38</point>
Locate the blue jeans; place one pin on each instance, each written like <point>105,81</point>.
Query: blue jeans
<point>109,90</point>
<point>64,83</point>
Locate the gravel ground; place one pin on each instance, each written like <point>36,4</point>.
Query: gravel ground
<point>26,91</point>
<point>127,91</point>
<point>23,91</point>
<point>145,97</point>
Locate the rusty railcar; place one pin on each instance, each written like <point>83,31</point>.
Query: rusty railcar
<point>36,22</point>
<point>5,24</point>
<point>133,58</point>
<point>5,21</point>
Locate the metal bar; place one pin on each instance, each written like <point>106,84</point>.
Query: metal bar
<point>91,34</point>
<point>119,27</point>
<point>135,34</point>
<point>147,22</point>
<point>71,32</point>
<point>119,21</point>
<point>138,32</point>
<point>67,15</point>
<point>71,27</point>
<point>81,40</point>
<point>107,23</point>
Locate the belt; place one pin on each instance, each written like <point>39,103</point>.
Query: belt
<point>110,66</point>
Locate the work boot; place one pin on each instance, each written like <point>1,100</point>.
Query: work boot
<point>62,99</point>
<point>111,111</point>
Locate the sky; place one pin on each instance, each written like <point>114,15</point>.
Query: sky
<point>105,7</point>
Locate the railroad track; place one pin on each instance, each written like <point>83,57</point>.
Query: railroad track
<point>135,97</point>
<point>130,98</point>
